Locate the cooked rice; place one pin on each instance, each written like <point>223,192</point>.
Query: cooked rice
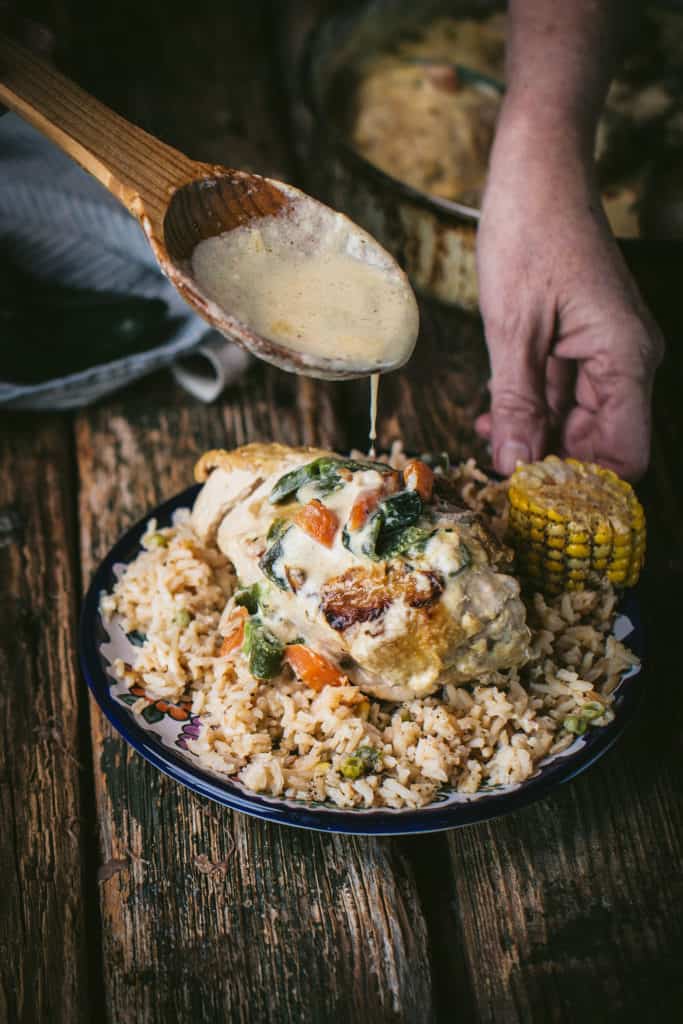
<point>281,738</point>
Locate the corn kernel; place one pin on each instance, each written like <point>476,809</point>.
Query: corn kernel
<point>578,550</point>
<point>554,555</point>
<point>553,567</point>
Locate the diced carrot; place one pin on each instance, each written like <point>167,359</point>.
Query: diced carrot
<point>364,504</point>
<point>419,477</point>
<point>312,668</point>
<point>318,521</point>
<point>235,638</point>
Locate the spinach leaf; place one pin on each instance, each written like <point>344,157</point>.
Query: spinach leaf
<point>290,483</point>
<point>276,529</point>
<point>324,471</point>
<point>390,529</point>
<point>270,558</point>
<point>363,542</point>
<point>409,541</point>
<point>250,598</point>
<point>400,510</point>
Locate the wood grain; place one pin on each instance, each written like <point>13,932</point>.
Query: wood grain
<point>207,914</point>
<point>43,963</point>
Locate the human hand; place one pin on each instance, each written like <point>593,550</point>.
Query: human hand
<point>573,349</point>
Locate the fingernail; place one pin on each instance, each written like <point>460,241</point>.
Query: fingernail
<point>509,454</point>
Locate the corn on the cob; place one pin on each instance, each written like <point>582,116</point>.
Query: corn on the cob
<point>573,525</point>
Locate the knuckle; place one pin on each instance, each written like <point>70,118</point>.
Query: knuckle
<point>506,401</point>
<point>506,329</point>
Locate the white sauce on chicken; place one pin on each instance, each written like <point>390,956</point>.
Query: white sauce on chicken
<point>400,625</point>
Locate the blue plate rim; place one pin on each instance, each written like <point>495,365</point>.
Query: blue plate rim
<point>432,818</point>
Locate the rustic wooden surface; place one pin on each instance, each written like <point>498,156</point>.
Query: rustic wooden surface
<point>44,807</point>
<point>126,897</point>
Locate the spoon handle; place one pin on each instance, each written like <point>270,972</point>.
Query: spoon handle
<point>138,169</point>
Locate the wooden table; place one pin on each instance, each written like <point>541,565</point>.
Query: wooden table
<point>127,898</point>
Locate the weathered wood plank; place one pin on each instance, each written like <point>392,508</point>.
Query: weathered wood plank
<point>567,906</point>
<point>43,963</point>
<point>208,913</point>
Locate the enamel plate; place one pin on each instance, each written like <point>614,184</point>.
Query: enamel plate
<point>160,733</point>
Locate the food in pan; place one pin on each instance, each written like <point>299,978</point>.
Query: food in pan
<point>427,125</point>
<point>351,631</point>
<point>422,111</point>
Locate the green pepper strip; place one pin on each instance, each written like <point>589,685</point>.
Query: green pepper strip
<point>263,650</point>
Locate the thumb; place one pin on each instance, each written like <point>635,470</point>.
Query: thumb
<point>520,426</point>
<point>519,413</point>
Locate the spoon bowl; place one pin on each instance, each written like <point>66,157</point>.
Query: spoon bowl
<point>180,203</point>
<point>225,200</point>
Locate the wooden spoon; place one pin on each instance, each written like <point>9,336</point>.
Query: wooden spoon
<point>178,201</point>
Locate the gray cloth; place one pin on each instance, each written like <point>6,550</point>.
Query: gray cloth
<point>59,224</point>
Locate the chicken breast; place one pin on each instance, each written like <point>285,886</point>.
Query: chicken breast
<point>405,592</point>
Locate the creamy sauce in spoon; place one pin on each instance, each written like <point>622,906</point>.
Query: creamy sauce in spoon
<point>333,296</point>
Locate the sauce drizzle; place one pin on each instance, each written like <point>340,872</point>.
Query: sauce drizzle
<point>374,392</point>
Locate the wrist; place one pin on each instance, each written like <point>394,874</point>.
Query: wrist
<point>542,123</point>
<point>543,147</point>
